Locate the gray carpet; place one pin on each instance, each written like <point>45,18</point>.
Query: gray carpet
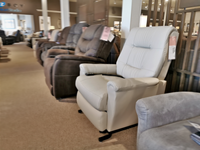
<point>32,119</point>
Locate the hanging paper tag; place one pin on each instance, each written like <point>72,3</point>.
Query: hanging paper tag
<point>111,37</point>
<point>172,48</point>
<point>105,34</point>
<point>84,28</point>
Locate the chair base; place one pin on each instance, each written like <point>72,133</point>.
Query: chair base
<point>103,138</point>
<point>109,135</point>
<point>80,111</point>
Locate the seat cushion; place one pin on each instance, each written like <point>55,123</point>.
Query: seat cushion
<point>94,90</point>
<point>175,136</point>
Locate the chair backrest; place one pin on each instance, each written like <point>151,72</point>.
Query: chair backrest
<point>144,52</point>
<point>54,35</point>
<point>64,35</point>
<point>1,43</point>
<point>2,34</point>
<point>89,41</point>
<point>74,34</point>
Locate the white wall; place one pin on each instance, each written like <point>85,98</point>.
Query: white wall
<point>30,23</point>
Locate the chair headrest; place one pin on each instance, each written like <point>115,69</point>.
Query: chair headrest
<point>150,37</point>
<point>90,33</point>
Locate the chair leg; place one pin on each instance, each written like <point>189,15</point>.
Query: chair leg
<point>103,132</point>
<point>80,111</point>
<point>103,138</point>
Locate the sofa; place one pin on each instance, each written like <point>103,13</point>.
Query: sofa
<point>163,121</point>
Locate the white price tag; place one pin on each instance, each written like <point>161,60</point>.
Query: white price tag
<point>84,28</point>
<point>111,37</point>
<point>172,48</point>
<point>105,34</point>
<point>195,125</point>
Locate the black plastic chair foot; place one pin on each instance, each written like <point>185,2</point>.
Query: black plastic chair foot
<point>103,138</point>
<point>80,111</point>
<point>105,131</point>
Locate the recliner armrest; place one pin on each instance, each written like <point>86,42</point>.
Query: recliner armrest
<point>54,52</point>
<point>63,47</point>
<point>164,109</point>
<point>41,40</point>
<point>121,84</point>
<point>98,69</point>
<point>79,58</point>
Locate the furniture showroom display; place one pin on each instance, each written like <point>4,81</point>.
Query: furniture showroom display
<point>107,93</point>
<point>61,67</point>
<point>163,121</point>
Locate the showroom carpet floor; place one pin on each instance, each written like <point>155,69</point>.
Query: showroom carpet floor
<point>32,119</point>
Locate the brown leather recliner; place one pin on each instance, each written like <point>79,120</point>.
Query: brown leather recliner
<point>61,70</point>
<point>71,39</point>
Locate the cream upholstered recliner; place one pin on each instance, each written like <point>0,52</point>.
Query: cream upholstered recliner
<point>108,96</point>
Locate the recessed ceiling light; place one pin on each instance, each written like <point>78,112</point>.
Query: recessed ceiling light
<point>152,2</point>
<point>159,4</point>
<point>143,2</point>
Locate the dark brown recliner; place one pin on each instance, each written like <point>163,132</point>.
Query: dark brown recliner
<point>71,39</point>
<point>61,70</point>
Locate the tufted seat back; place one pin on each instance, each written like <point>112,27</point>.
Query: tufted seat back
<point>74,34</point>
<point>144,52</point>
<point>89,41</point>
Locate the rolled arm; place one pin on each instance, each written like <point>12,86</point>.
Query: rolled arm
<point>62,47</point>
<point>131,83</point>
<point>98,69</point>
<point>164,109</point>
<point>54,52</point>
<point>49,45</point>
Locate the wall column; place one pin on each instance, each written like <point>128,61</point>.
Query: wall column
<point>131,11</point>
<point>45,15</point>
<point>65,16</point>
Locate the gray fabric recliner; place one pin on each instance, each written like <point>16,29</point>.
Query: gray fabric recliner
<point>163,121</point>
<point>71,36</point>
<point>61,70</point>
